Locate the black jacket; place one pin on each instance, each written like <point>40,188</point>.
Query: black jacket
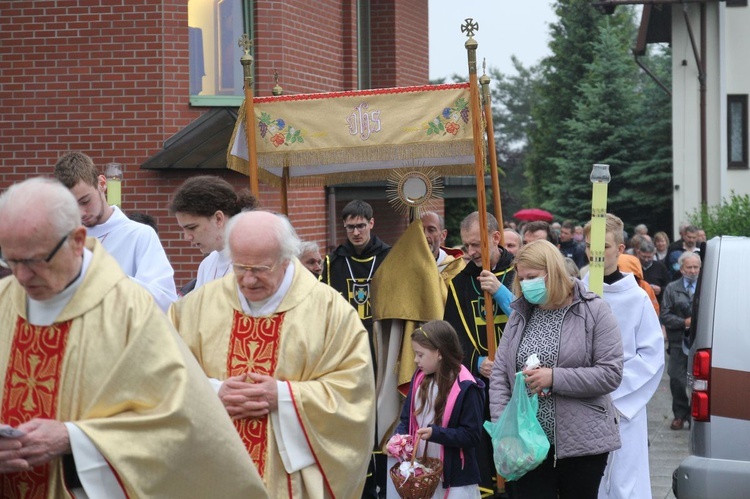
<point>336,274</point>
<point>574,251</point>
<point>464,309</point>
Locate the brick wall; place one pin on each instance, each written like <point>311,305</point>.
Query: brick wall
<point>111,79</point>
<point>311,43</point>
<point>399,28</point>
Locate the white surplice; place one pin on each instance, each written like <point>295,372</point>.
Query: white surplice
<point>215,266</point>
<point>627,474</point>
<point>137,249</point>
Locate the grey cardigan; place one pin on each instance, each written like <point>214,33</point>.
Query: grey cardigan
<point>589,367</point>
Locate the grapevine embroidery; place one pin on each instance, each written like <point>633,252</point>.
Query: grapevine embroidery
<point>277,132</point>
<point>448,120</point>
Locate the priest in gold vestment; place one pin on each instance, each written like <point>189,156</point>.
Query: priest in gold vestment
<point>100,396</point>
<point>290,360</point>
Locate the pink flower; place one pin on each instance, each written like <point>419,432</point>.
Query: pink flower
<point>278,139</point>
<point>400,447</point>
<point>452,127</point>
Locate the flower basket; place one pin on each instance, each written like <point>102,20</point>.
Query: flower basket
<point>418,486</point>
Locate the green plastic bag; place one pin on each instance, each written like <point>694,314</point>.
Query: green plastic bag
<point>518,440</point>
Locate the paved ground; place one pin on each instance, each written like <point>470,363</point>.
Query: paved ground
<point>667,447</point>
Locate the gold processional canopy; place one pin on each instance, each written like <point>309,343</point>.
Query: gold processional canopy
<point>359,135</point>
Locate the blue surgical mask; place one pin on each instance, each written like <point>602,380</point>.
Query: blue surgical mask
<point>692,279</point>
<point>534,290</point>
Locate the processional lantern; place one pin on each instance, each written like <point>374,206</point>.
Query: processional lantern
<point>600,178</point>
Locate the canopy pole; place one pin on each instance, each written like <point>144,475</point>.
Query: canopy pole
<point>285,190</point>
<point>469,27</point>
<point>277,91</point>
<point>484,80</point>
<point>471,45</point>
<point>252,149</point>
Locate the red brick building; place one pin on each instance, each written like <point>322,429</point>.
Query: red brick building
<point>127,81</point>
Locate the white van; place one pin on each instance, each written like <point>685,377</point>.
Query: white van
<point>719,377</point>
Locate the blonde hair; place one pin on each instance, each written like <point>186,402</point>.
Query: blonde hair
<point>543,255</point>
<point>614,226</point>
<point>661,235</point>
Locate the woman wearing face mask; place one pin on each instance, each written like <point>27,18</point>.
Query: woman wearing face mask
<point>575,335</point>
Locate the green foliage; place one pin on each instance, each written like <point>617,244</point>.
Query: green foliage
<point>649,178</point>
<point>513,98</point>
<point>588,102</point>
<point>601,131</point>
<point>729,218</point>
<point>618,116</point>
<point>557,92</point>
<point>456,209</point>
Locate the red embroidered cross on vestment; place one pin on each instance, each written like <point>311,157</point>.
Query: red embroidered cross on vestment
<point>31,390</point>
<point>254,347</point>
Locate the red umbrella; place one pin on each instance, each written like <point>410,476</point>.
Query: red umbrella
<point>531,214</point>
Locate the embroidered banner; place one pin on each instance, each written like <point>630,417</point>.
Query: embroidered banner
<point>254,346</point>
<point>31,389</point>
<point>359,135</point>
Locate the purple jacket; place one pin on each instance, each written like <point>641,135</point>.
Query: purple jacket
<point>589,367</point>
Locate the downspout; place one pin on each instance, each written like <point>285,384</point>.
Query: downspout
<point>723,127</point>
<point>699,59</point>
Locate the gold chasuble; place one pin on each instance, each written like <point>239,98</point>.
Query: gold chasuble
<point>113,365</point>
<point>317,345</point>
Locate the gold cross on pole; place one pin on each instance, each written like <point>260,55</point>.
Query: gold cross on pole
<point>245,43</point>
<point>470,27</point>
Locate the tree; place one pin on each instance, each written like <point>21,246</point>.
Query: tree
<point>602,130</point>
<point>512,99</point>
<point>649,179</point>
<point>571,46</point>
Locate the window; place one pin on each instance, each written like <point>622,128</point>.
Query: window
<point>214,27</point>
<point>737,131</point>
<point>736,3</point>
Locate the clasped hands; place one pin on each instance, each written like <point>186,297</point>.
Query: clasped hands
<point>44,440</point>
<point>249,395</point>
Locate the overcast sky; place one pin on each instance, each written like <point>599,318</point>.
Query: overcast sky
<point>506,27</point>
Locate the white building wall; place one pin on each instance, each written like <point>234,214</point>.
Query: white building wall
<point>727,72</point>
<point>737,69</point>
<point>714,98</point>
<point>685,118</point>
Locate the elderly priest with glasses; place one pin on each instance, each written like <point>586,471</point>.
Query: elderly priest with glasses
<point>289,359</point>
<point>100,397</point>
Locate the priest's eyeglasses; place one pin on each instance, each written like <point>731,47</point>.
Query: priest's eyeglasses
<point>353,227</point>
<point>255,270</point>
<point>32,263</point>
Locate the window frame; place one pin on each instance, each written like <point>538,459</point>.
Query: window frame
<point>248,17</point>
<point>742,100</point>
